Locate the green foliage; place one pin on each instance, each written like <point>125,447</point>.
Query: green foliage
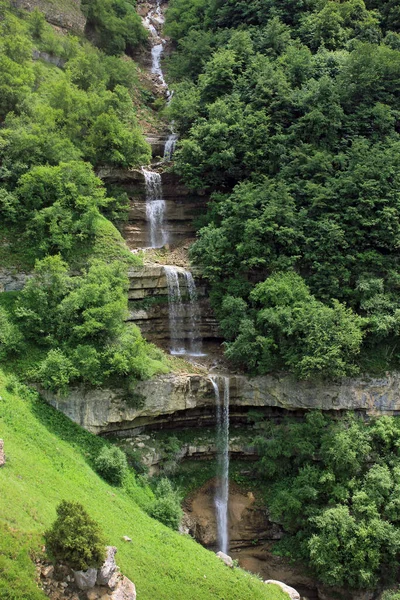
<point>81,318</point>
<point>48,459</point>
<point>75,538</point>
<point>116,24</point>
<point>289,120</point>
<point>166,507</point>
<point>333,485</point>
<point>112,465</point>
<point>10,336</point>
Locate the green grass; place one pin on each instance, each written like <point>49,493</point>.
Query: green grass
<point>48,459</point>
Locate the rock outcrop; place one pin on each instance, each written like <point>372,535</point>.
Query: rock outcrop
<point>185,400</point>
<point>291,592</point>
<point>67,15</point>
<point>11,281</point>
<point>59,582</point>
<point>182,206</point>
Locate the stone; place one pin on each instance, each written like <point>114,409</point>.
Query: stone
<point>114,579</point>
<point>226,559</point>
<point>125,590</point>
<point>292,593</point>
<point>67,15</point>
<point>126,538</point>
<point>85,579</point>
<point>108,568</point>
<point>169,396</point>
<point>47,571</point>
<point>2,455</point>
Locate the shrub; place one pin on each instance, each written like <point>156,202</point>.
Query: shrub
<point>55,372</point>
<point>166,507</point>
<point>75,538</point>
<point>111,464</point>
<point>10,336</point>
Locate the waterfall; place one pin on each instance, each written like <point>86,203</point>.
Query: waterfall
<point>194,316</point>
<point>184,317</point>
<point>222,489</point>
<point>170,146</point>
<point>175,307</point>
<point>155,209</point>
<point>156,53</point>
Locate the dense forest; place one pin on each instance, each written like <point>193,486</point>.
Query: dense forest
<point>289,114</point>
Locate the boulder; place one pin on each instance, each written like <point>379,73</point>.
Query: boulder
<point>124,591</point>
<point>227,559</point>
<point>292,593</point>
<point>85,579</point>
<point>108,568</point>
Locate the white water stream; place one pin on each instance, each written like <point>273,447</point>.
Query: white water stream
<point>170,146</point>
<point>222,489</point>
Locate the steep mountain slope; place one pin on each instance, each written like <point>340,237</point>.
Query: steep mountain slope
<point>48,459</point>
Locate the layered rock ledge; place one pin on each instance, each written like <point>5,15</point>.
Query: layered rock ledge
<point>182,400</point>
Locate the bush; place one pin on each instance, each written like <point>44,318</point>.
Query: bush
<point>55,372</point>
<point>112,465</point>
<point>166,507</point>
<point>75,538</point>
<point>10,336</point>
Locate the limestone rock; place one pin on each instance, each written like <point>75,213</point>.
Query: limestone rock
<point>67,15</point>
<point>11,281</point>
<point>126,538</point>
<point>85,579</point>
<point>227,560</point>
<point>108,568</point>
<point>293,594</point>
<point>125,590</point>
<point>169,396</point>
<point>2,455</point>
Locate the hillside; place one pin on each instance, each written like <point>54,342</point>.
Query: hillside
<point>48,460</point>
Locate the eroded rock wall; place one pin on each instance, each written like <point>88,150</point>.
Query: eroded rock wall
<point>186,399</point>
<point>182,206</point>
<point>66,14</point>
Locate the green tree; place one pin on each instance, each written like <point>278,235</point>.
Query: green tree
<point>75,538</point>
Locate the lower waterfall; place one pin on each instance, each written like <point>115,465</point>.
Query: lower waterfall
<point>222,489</point>
<point>184,313</point>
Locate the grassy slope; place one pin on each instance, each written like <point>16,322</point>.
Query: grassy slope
<point>48,459</point>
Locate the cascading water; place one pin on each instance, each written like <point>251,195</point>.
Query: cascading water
<point>175,307</point>
<point>184,317</point>
<point>194,316</point>
<point>155,209</point>
<point>170,146</point>
<point>153,19</point>
<point>222,489</point>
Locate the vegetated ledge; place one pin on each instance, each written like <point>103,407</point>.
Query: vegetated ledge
<point>182,400</point>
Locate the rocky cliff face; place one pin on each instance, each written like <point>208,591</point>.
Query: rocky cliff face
<point>148,306</point>
<point>181,205</point>
<point>188,400</point>
<point>66,14</point>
